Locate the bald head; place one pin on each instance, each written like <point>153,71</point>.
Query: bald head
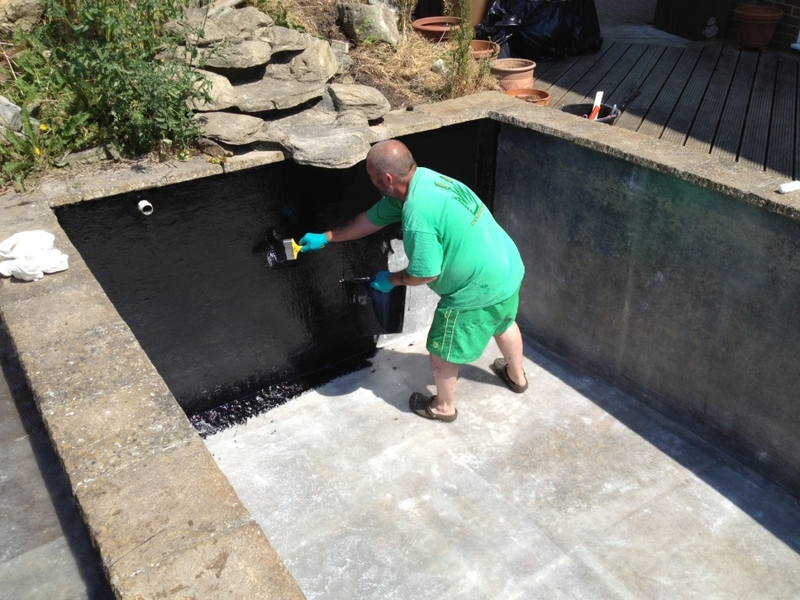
<point>393,158</point>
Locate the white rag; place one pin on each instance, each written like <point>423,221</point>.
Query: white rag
<point>30,254</point>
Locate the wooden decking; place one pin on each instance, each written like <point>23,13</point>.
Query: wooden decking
<point>741,105</point>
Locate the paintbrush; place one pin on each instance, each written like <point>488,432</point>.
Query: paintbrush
<point>291,248</point>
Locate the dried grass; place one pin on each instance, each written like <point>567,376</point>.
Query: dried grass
<point>404,74</point>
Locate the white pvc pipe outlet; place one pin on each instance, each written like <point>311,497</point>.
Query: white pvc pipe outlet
<point>145,207</point>
<point>796,45</point>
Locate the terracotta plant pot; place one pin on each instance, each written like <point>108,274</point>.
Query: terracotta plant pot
<point>483,49</point>
<point>513,73</point>
<point>436,29</point>
<point>755,25</point>
<point>539,97</point>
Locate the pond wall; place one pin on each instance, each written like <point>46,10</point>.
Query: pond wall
<point>197,281</point>
<point>681,294</point>
<point>669,272</point>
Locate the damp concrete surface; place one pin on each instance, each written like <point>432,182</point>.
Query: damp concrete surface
<point>571,490</point>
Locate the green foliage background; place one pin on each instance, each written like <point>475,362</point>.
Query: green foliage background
<point>90,74</point>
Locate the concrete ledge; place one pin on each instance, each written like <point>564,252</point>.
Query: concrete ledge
<point>163,516</point>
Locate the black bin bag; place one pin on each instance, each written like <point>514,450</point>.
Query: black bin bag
<point>542,29</point>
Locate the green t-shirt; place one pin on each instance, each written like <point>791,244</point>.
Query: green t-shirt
<point>449,233</point>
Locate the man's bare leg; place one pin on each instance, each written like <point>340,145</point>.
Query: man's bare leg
<point>445,376</point>
<point>510,344</point>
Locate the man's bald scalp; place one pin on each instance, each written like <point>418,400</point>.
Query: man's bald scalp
<point>393,157</point>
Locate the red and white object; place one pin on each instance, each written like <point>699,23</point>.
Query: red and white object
<point>598,100</point>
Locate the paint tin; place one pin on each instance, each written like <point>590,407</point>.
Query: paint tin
<point>374,312</point>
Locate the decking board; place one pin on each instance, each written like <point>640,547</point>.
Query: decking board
<point>688,105</point>
<point>701,134</point>
<point>729,132</point>
<point>582,66</point>
<point>634,78</point>
<point>753,151</point>
<point>634,116</point>
<point>657,117</point>
<point>588,86</point>
<point>712,98</point>
<point>780,148</point>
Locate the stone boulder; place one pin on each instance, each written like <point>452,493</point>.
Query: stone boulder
<point>268,94</point>
<point>317,63</point>
<point>362,99</point>
<point>19,14</point>
<point>195,28</point>
<point>375,22</point>
<point>283,39</point>
<point>242,55</point>
<point>222,94</point>
<point>318,137</point>
<point>245,23</point>
<point>232,129</point>
<point>261,69</point>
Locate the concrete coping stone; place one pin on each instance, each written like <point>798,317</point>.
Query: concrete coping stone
<point>163,516</point>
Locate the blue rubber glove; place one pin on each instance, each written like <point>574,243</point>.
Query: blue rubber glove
<point>312,242</point>
<point>382,283</point>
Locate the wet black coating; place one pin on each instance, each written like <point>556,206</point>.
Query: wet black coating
<point>200,284</point>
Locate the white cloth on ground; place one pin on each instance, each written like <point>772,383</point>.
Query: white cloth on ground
<point>30,254</point>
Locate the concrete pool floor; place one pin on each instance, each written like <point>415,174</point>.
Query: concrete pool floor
<point>571,490</point>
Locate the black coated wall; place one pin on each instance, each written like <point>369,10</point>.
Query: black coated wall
<point>687,297</point>
<point>193,282</point>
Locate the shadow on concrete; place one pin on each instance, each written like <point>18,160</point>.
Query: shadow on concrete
<point>53,479</point>
<point>765,502</point>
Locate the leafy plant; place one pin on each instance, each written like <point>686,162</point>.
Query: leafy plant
<point>460,65</point>
<point>90,72</point>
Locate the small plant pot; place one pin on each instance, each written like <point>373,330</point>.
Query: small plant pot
<point>436,29</point>
<point>539,97</point>
<point>608,114</point>
<point>513,73</point>
<point>755,25</point>
<point>479,49</point>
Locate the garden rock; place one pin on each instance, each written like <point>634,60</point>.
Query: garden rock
<point>194,22</point>
<point>10,115</point>
<point>317,63</point>
<point>322,137</point>
<point>221,92</point>
<point>333,131</point>
<point>244,23</point>
<point>283,39</point>
<point>267,94</point>
<point>242,55</point>
<point>362,99</point>
<point>362,22</point>
<point>232,129</point>
<point>19,14</point>
<point>333,149</point>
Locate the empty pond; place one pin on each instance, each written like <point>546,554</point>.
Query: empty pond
<point>671,278</point>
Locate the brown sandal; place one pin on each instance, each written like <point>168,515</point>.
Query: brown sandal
<point>421,405</point>
<point>500,366</point>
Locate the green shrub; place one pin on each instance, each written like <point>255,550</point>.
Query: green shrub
<point>90,75</point>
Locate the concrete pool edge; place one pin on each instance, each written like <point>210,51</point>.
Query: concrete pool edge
<point>164,518</point>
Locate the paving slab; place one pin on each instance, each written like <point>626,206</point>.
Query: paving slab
<point>571,490</point>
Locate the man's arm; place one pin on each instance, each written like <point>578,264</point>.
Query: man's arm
<point>403,278</point>
<point>358,228</point>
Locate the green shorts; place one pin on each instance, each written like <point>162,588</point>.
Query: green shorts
<point>461,336</point>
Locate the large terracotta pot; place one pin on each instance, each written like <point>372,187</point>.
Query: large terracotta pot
<point>755,25</point>
<point>513,73</point>
<point>436,29</point>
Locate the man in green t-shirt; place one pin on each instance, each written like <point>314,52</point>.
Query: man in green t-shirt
<point>455,246</point>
